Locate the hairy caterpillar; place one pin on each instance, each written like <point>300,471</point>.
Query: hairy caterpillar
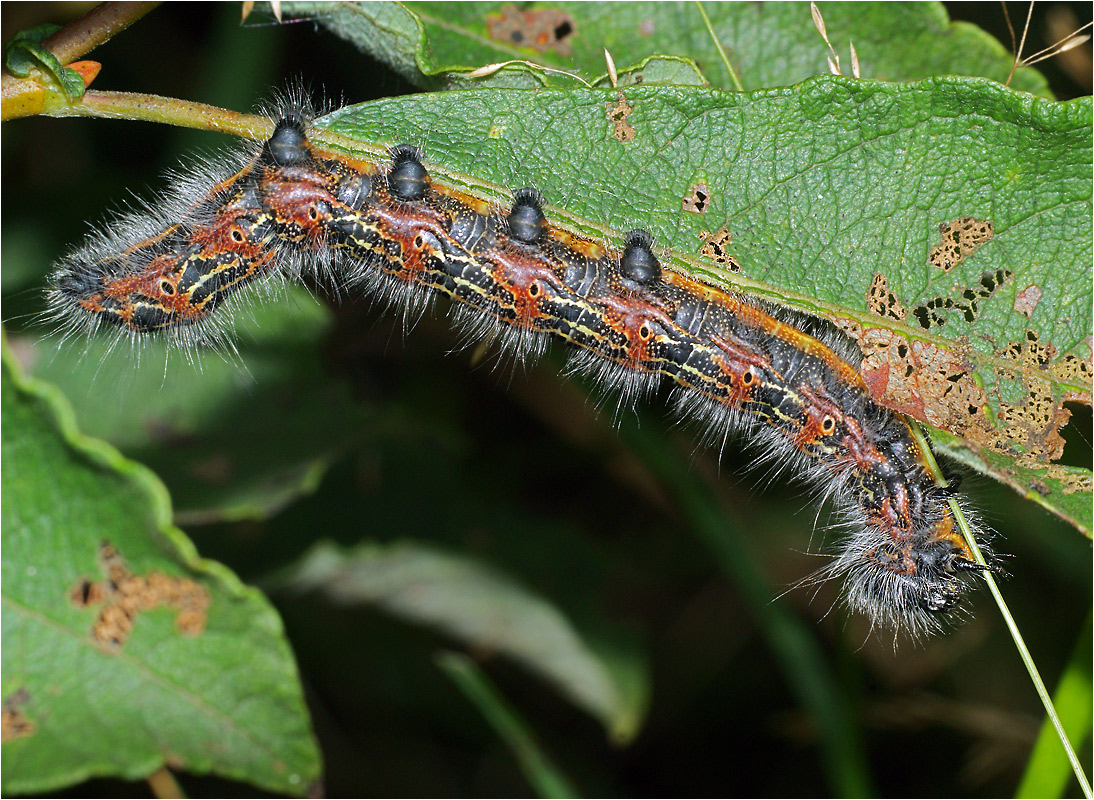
<point>389,231</point>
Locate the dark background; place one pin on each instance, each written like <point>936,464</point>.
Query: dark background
<point>954,717</point>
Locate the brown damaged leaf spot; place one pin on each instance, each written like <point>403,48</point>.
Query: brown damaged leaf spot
<point>86,593</point>
<point>960,238</point>
<point>1032,427</point>
<point>1025,302</point>
<point>124,596</point>
<point>697,199</point>
<point>1039,486</point>
<point>716,247</point>
<point>936,385</point>
<point>1030,353</point>
<point>1073,481</point>
<point>882,302</point>
<point>922,380</point>
<point>542,30</point>
<point>618,113</point>
<point>965,300</point>
<point>1072,369</point>
<point>14,723</point>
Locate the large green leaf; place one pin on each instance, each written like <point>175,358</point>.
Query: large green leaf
<point>768,44</point>
<point>122,650</point>
<point>826,189</point>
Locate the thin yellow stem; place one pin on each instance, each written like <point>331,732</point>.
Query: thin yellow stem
<point>163,784</point>
<point>1021,44</point>
<point>187,114</point>
<point>167,110</point>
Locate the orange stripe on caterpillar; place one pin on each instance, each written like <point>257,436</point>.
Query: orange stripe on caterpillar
<point>737,364</point>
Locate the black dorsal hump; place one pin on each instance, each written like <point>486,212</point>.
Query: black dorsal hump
<point>289,143</point>
<point>527,222</point>
<point>408,179</point>
<point>638,262</point>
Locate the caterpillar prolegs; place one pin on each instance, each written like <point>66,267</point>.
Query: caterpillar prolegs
<point>388,230</point>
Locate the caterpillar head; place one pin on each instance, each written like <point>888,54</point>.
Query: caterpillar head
<point>914,582</point>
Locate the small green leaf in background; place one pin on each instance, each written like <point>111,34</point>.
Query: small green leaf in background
<point>481,608</point>
<point>216,692</point>
<point>20,54</point>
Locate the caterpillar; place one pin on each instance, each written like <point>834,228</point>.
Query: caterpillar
<point>386,229</point>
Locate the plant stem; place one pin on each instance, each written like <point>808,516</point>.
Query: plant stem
<point>25,97</point>
<point>93,28</point>
<point>721,51</point>
<point>167,110</point>
<point>163,784</point>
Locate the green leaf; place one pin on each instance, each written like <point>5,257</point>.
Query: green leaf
<point>486,611</point>
<point>25,52</point>
<point>123,651</point>
<point>71,82</point>
<point>204,426</point>
<point>21,52</point>
<point>822,188</point>
<point>768,44</point>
